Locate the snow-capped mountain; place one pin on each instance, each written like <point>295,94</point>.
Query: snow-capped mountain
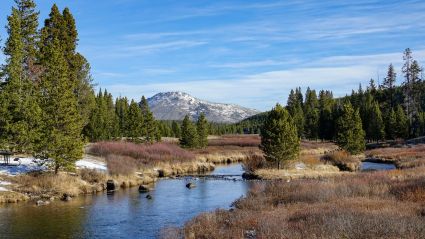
<point>175,105</point>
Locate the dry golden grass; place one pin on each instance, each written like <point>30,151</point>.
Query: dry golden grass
<point>50,184</point>
<point>12,197</point>
<point>359,205</point>
<point>343,160</point>
<point>313,172</point>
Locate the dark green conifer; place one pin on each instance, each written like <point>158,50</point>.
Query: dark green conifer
<point>350,135</point>
<point>279,138</point>
<point>189,136</point>
<point>202,129</point>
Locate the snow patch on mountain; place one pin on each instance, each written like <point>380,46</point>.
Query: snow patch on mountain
<point>175,105</point>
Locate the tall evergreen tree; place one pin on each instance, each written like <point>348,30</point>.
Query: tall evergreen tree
<point>402,126</point>
<point>326,121</point>
<point>189,136</point>
<point>30,35</point>
<point>279,137</point>
<point>295,109</point>
<point>62,27</point>
<point>376,128</point>
<point>150,127</point>
<point>121,110</point>
<point>312,115</point>
<point>391,126</point>
<point>202,130</point>
<point>350,135</point>
<point>389,86</point>
<point>18,99</point>
<point>62,124</point>
<point>134,121</point>
<point>175,129</point>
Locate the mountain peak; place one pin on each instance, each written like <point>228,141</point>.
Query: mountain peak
<point>175,105</point>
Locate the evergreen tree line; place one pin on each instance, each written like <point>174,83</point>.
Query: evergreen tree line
<point>387,111</point>
<point>122,119</point>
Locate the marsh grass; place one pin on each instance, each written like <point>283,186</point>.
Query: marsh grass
<point>362,205</point>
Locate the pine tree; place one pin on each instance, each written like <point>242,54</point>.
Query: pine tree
<point>326,121</point>
<point>19,106</point>
<point>202,130</point>
<point>376,128</point>
<point>30,36</point>
<point>389,86</point>
<point>175,129</point>
<point>350,135</point>
<point>189,136</point>
<point>295,109</point>
<point>312,115</point>
<point>62,124</point>
<point>134,121</point>
<point>62,27</point>
<point>402,126</point>
<point>121,110</point>
<point>279,137</point>
<point>391,125</point>
<point>150,127</point>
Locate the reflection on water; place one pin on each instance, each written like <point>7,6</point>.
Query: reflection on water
<point>124,214</point>
<point>370,166</point>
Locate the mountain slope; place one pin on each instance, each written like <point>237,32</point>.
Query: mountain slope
<point>175,105</point>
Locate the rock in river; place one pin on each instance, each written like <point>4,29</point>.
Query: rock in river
<point>143,189</point>
<point>111,185</point>
<point>190,185</point>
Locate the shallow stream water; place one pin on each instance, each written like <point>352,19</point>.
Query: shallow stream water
<point>126,213</point>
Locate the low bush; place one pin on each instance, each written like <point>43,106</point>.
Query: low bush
<point>145,154</point>
<point>236,140</point>
<point>253,162</point>
<point>121,165</point>
<point>343,160</point>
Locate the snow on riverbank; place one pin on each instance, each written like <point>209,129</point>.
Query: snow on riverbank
<point>4,183</point>
<point>25,165</point>
<point>91,164</point>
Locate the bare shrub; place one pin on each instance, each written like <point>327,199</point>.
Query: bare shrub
<point>121,165</point>
<point>92,175</point>
<point>343,160</point>
<point>145,154</point>
<point>253,162</point>
<point>236,140</point>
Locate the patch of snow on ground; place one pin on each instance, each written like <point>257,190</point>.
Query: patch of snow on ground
<point>91,164</point>
<point>4,183</point>
<point>26,165</point>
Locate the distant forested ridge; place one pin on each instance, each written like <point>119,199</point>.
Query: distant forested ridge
<point>388,111</point>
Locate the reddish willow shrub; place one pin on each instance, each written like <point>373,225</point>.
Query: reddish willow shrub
<point>236,140</point>
<point>143,154</point>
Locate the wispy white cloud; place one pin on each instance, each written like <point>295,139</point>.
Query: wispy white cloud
<point>263,90</point>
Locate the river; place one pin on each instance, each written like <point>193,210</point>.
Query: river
<point>126,213</point>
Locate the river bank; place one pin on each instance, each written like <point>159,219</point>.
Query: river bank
<point>125,213</point>
<point>127,164</point>
<point>372,204</point>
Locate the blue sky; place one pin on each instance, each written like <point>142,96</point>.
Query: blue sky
<point>245,52</point>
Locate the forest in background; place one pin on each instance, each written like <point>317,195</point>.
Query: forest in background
<point>49,107</point>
